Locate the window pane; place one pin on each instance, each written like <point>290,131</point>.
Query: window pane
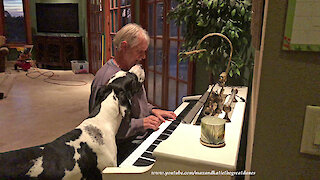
<point>112,48</point>
<point>159,55</point>
<point>159,18</point>
<point>150,20</point>
<point>14,21</point>
<point>112,21</point>
<point>158,87</point>
<point>151,55</point>
<point>172,94</point>
<point>116,20</point>
<point>182,30</point>
<point>150,85</point>
<point>173,59</point>
<point>173,26</point>
<point>183,70</point>
<point>182,91</point>
<point>173,30</point>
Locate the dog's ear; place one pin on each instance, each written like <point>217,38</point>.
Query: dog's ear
<point>124,103</point>
<point>139,72</point>
<point>136,86</point>
<point>102,94</point>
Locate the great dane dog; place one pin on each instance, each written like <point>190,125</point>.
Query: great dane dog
<point>85,151</point>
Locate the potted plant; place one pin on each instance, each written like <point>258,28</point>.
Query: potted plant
<point>231,18</point>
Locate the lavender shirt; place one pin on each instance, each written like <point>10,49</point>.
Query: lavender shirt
<point>140,106</point>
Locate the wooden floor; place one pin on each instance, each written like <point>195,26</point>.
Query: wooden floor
<point>36,112</point>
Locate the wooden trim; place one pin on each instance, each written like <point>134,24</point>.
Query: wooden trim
<point>1,18</point>
<point>154,52</point>
<point>256,22</point>
<point>133,11</point>
<point>26,9</point>
<point>165,62</point>
<point>89,37</point>
<point>119,15</point>
<point>107,16</point>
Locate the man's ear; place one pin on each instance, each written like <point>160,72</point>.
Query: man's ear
<point>124,45</point>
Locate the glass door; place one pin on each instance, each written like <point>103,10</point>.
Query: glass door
<point>167,80</point>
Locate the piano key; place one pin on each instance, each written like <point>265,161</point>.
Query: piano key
<point>156,142</point>
<point>168,131</point>
<point>163,137</point>
<point>148,155</point>
<point>151,148</point>
<point>143,162</point>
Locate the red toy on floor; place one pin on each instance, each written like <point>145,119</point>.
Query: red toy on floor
<point>23,60</point>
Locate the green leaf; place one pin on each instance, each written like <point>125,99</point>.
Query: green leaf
<point>233,12</point>
<point>215,3</point>
<point>243,11</point>
<point>210,3</point>
<point>230,73</point>
<point>238,72</point>
<point>232,34</point>
<point>237,35</point>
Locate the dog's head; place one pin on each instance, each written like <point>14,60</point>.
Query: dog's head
<point>124,84</point>
<point>128,82</point>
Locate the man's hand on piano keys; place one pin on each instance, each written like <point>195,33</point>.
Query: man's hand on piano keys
<point>152,122</point>
<point>164,115</point>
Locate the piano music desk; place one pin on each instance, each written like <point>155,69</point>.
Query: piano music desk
<point>183,152</point>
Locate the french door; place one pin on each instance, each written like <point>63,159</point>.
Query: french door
<point>167,80</point>
<point>95,33</point>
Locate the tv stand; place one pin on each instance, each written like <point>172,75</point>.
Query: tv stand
<point>57,51</point>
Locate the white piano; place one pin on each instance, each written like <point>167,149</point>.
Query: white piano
<point>175,151</point>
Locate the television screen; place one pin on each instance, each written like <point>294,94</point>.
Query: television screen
<point>57,18</point>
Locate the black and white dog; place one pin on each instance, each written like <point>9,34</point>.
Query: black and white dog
<point>85,151</point>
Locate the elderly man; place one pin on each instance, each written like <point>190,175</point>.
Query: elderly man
<point>131,44</point>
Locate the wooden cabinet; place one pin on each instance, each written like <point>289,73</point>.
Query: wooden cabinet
<point>57,51</point>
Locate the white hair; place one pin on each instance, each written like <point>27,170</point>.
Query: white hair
<point>130,33</point>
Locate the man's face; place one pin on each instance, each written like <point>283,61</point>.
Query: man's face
<point>134,55</point>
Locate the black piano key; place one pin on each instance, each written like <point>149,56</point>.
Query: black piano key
<point>175,123</point>
<point>168,131</point>
<point>143,162</point>
<point>156,142</point>
<point>148,155</point>
<point>172,126</point>
<point>151,148</point>
<point>163,137</point>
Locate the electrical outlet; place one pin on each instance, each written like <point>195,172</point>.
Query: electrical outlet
<point>310,143</point>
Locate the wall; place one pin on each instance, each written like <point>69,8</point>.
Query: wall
<point>82,20</point>
<point>289,82</point>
